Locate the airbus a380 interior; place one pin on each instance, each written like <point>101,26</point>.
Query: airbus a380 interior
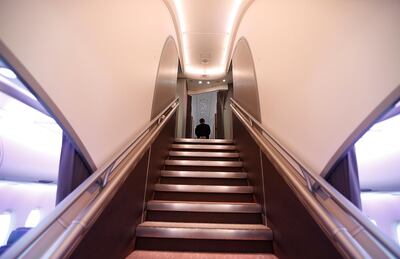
<point>101,103</point>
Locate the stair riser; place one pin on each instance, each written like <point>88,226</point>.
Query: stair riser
<point>201,148</point>
<point>184,196</point>
<point>204,154</point>
<point>203,141</point>
<point>204,181</point>
<point>204,217</point>
<point>190,188</point>
<point>200,245</point>
<point>204,158</point>
<point>205,168</point>
<point>203,163</point>
<point>204,174</point>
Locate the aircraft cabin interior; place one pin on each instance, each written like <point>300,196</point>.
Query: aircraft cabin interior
<point>200,129</point>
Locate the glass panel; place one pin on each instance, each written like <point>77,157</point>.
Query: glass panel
<point>5,225</point>
<point>33,218</point>
<point>378,161</point>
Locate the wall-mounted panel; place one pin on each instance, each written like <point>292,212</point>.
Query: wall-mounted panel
<point>245,89</point>
<point>167,76</point>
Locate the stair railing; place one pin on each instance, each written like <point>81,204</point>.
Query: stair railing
<point>345,225</point>
<point>61,231</point>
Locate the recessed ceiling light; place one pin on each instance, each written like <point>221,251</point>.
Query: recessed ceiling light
<point>6,72</point>
<point>208,82</point>
<point>224,80</point>
<point>200,82</point>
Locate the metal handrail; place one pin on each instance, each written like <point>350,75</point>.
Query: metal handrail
<point>100,177</point>
<point>319,182</point>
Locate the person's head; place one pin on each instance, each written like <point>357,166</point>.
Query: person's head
<point>202,121</point>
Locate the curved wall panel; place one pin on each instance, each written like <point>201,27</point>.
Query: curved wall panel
<point>245,89</point>
<point>322,68</point>
<point>167,76</point>
<point>96,61</point>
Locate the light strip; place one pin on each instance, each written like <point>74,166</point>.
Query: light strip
<point>215,71</point>
<point>229,29</point>
<point>209,71</point>
<point>235,9</point>
<point>181,18</point>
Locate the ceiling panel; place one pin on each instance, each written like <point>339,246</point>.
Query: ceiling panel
<point>207,15</point>
<point>206,29</point>
<point>205,47</point>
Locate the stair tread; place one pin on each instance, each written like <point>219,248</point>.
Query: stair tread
<point>203,146</point>
<point>139,254</point>
<point>203,188</point>
<point>180,162</point>
<point>211,141</point>
<point>216,231</point>
<point>188,206</point>
<point>165,224</point>
<point>204,154</point>
<point>203,174</point>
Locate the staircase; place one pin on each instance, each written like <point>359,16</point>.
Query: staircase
<point>203,203</point>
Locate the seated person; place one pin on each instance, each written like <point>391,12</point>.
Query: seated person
<point>202,130</point>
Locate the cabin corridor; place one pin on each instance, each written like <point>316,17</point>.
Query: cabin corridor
<point>203,204</point>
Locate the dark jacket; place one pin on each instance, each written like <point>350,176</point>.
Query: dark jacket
<point>202,130</point>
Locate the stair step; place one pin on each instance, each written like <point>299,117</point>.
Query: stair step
<point>205,141</point>
<point>203,174</point>
<point>203,163</point>
<point>204,217</point>
<point>140,254</point>
<point>223,247</point>
<point>203,188</point>
<point>184,230</point>
<point>204,206</point>
<point>204,154</point>
<point>204,181</point>
<point>201,196</point>
<point>204,147</point>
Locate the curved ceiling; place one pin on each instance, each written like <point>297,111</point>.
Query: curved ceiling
<point>206,31</point>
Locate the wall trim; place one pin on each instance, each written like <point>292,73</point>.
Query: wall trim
<point>155,108</point>
<point>362,128</point>
<point>258,104</point>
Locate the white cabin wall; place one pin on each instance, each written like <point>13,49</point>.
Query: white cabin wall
<point>14,200</point>
<point>181,92</point>
<point>322,67</point>
<point>97,61</point>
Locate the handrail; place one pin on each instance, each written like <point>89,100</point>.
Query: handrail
<point>102,178</point>
<point>319,182</point>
